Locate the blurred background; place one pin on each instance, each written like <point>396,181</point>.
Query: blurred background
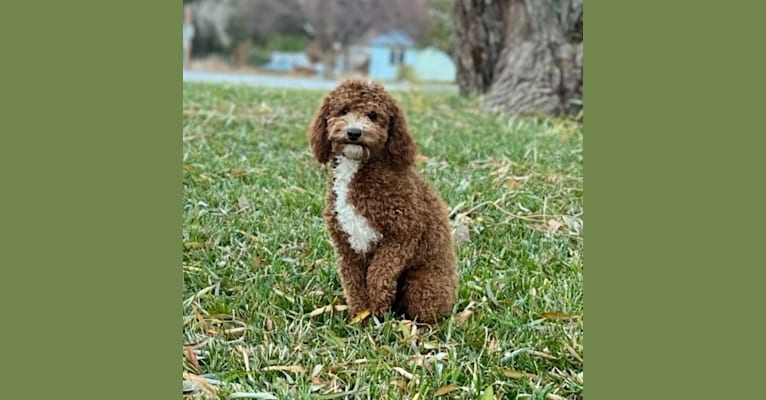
<point>524,56</point>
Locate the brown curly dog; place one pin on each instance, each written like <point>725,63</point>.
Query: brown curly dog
<point>389,228</point>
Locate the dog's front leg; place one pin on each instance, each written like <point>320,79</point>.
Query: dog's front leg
<point>353,274</point>
<point>387,265</point>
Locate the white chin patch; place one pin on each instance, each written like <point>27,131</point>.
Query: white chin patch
<point>354,151</point>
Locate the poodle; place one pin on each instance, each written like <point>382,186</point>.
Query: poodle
<point>390,230</point>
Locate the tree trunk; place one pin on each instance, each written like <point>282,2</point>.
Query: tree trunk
<point>347,59</point>
<point>328,63</point>
<point>241,53</point>
<point>479,27</point>
<point>539,69</point>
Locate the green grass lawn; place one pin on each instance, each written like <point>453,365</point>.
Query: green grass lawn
<point>259,271</point>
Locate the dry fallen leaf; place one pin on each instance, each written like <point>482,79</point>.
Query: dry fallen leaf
<point>360,317</point>
<point>256,262</point>
<point>264,108</point>
<point>558,316</point>
<point>462,318</point>
<point>192,357</point>
<point>234,331</point>
<point>512,373</point>
<point>461,235</point>
<point>553,225</point>
<point>492,345</point>
<point>572,351</point>
<point>400,384</point>
<point>541,354</point>
<point>319,311</point>
<point>515,181</point>
<point>237,173</point>
<point>403,372</point>
<point>243,202</point>
<point>445,389</point>
<point>329,308</point>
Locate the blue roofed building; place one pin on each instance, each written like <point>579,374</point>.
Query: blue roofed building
<point>391,50</point>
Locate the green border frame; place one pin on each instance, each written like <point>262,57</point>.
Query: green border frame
<point>90,158</point>
<point>91,189</point>
<point>667,237</point>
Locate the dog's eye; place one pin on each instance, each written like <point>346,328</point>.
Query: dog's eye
<point>372,116</point>
<point>344,111</point>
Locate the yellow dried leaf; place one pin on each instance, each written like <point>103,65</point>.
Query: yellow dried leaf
<point>400,384</point>
<point>445,389</point>
<point>317,311</point>
<point>541,354</point>
<point>360,317</point>
<point>512,373</point>
<point>558,316</point>
<point>492,345</point>
<point>418,360</point>
<point>237,173</point>
<point>234,331</point>
<point>462,318</point>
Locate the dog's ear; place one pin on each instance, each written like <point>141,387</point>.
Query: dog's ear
<point>400,146</point>
<point>317,133</point>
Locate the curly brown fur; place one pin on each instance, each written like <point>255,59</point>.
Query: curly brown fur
<point>389,228</point>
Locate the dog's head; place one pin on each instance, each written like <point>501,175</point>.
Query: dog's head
<point>360,120</point>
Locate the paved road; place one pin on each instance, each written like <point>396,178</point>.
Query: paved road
<point>290,82</point>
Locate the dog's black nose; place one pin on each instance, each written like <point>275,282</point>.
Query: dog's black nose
<point>354,133</point>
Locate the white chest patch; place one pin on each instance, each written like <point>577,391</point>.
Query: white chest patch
<point>360,234</point>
